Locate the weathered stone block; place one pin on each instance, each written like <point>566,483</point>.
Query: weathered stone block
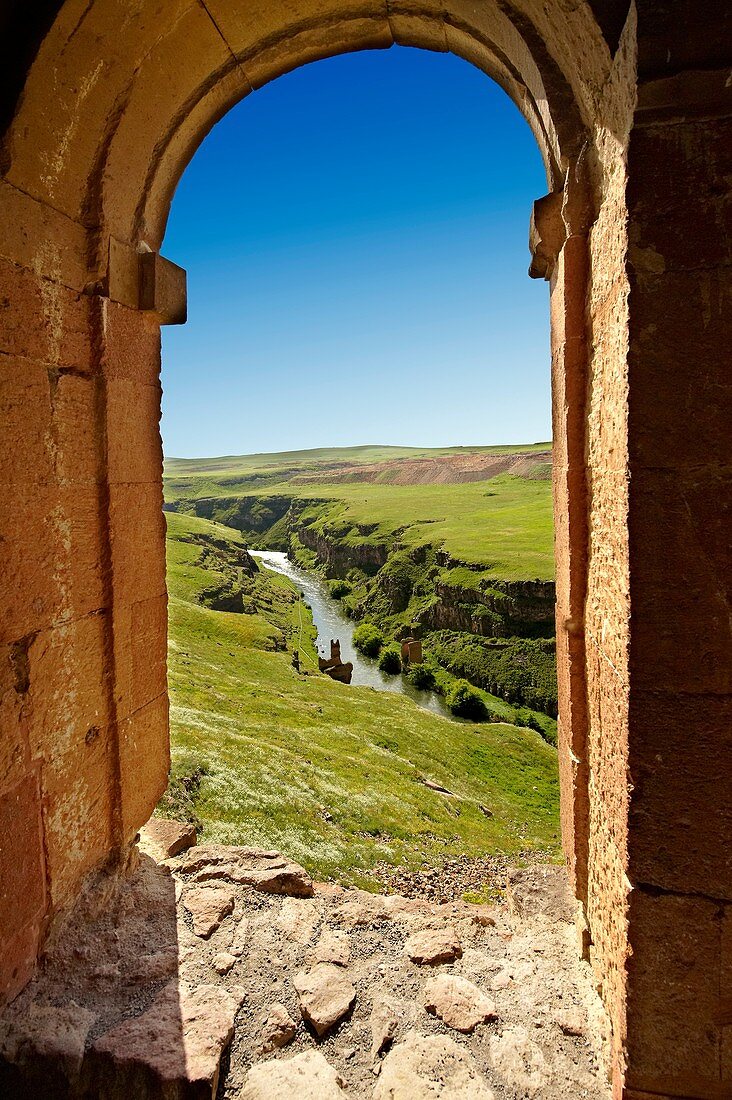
<point>43,320</point>
<point>163,289</point>
<point>546,235</point>
<point>34,236</point>
<point>680,402</point>
<point>144,755</point>
<point>418,24</point>
<point>67,692</point>
<point>135,452</point>
<point>312,43</point>
<point>679,175</point>
<point>80,801</point>
<point>76,444</point>
<point>53,557</point>
<point>149,646</point>
<point>141,637</point>
<point>674,996</point>
<point>22,882</point>
<point>137,536</point>
<point>680,827</point>
<point>681,565</point>
<point>131,344</point>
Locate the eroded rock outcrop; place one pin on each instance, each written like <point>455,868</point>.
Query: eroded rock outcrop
<point>268,871</point>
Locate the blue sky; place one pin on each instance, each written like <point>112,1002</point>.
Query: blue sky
<point>355,240</point>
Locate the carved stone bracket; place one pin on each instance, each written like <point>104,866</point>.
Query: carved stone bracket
<point>145,280</point>
<point>547,234</point>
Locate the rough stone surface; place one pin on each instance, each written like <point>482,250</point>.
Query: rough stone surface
<point>428,1067</point>
<point>326,996</point>
<point>305,1077</point>
<point>179,1040</point>
<point>268,871</point>
<point>148,1000</point>
<point>629,104</point>
<point>332,947</point>
<point>223,962</point>
<point>208,905</point>
<point>458,1002</point>
<point>540,890</point>
<point>434,946</point>
<point>48,1032</point>
<point>279,1028</point>
<point>519,1060</point>
<point>162,837</point>
<point>384,1023</point>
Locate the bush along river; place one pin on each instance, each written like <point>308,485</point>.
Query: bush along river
<point>331,623</point>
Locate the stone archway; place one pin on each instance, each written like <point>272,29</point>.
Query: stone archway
<point>112,107</point>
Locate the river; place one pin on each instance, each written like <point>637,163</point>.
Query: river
<point>331,622</point>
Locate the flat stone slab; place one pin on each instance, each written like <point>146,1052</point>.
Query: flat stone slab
<point>325,994</point>
<point>424,1068</point>
<point>458,1003</point>
<point>308,1076</point>
<point>268,871</point>
<point>433,946</point>
<point>163,838</point>
<point>178,1043</point>
<point>208,905</point>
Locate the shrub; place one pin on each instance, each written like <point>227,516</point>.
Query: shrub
<point>368,639</point>
<point>465,701</point>
<point>390,661</point>
<point>339,589</point>
<point>422,677</point>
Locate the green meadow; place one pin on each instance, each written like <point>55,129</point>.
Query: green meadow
<point>332,775</point>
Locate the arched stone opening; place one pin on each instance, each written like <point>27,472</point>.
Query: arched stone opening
<point>113,106</point>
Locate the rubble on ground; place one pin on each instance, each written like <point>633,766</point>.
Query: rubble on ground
<point>228,968</point>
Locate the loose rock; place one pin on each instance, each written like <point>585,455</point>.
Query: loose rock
<point>268,871</point>
<point>571,1022</point>
<point>424,1068</point>
<point>332,947</point>
<point>458,1003</point>
<point>223,962</point>
<point>306,1077</point>
<point>279,1028</point>
<point>384,1024</point>
<point>163,838</point>
<point>298,918</point>
<point>208,905</point>
<point>519,1060</point>
<point>434,945</point>
<point>47,1033</point>
<point>542,890</point>
<point>325,995</point>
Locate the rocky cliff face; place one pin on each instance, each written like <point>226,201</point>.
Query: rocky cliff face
<point>338,557</point>
<point>250,515</point>
<point>506,609</point>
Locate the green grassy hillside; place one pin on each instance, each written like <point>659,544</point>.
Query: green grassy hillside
<point>504,524</point>
<point>457,540</point>
<point>332,775</point>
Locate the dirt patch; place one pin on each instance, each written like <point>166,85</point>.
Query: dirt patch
<point>438,470</point>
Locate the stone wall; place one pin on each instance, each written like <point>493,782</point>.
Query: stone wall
<point>633,122</point>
